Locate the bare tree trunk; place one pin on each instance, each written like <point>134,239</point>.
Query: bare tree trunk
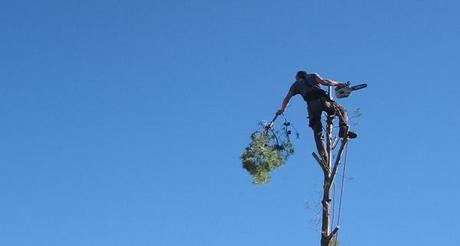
<point>329,170</point>
<point>326,220</point>
<point>329,175</point>
<point>326,202</point>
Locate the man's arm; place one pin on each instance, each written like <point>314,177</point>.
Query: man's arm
<point>285,103</point>
<point>328,81</point>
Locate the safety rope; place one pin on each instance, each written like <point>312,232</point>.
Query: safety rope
<point>341,190</point>
<point>333,203</point>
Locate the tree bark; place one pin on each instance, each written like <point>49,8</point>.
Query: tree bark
<point>329,176</point>
<point>326,220</point>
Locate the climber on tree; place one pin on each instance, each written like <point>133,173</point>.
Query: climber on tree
<point>308,86</point>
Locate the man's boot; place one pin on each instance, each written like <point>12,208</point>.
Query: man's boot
<point>344,132</point>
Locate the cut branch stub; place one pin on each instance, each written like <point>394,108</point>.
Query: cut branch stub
<point>337,159</point>
<point>322,163</point>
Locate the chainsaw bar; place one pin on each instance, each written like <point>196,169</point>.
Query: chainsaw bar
<point>358,87</point>
<point>345,91</point>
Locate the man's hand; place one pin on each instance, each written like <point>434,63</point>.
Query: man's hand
<point>329,82</point>
<point>340,85</point>
<point>285,103</point>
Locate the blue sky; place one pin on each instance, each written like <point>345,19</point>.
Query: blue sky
<point>122,122</point>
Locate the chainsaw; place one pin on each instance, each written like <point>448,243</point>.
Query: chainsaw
<point>345,91</point>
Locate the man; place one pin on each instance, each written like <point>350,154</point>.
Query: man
<point>308,86</point>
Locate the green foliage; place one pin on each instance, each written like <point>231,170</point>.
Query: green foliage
<point>267,151</point>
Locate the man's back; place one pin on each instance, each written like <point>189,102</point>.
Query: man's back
<point>308,88</point>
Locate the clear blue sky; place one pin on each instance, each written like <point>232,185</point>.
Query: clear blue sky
<point>122,122</point>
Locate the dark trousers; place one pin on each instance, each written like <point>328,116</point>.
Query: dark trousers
<point>315,109</point>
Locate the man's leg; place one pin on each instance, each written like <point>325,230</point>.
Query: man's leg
<point>314,114</point>
<point>341,112</point>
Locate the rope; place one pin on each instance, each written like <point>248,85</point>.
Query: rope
<point>341,190</point>
<point>333,203</point>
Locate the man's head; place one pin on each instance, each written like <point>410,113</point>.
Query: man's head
<point>301,75</point>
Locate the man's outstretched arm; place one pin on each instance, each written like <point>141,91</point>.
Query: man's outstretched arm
<point>285,103</point>
<point>328,82</point>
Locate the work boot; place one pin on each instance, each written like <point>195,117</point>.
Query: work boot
<point>344,132</point>
<point>352,135</point>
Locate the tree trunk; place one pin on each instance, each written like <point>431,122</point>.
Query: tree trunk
<point>326,221</point>
<point>329,170</point>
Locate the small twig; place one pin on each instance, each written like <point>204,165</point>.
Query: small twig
<point>336,229</point>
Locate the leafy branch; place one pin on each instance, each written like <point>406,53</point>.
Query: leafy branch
<point>268,150</point>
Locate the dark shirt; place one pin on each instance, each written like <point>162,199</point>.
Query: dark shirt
<point>309,89</point>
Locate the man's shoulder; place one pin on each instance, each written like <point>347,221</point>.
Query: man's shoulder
<point>315,75</point>
<point>297,86</point>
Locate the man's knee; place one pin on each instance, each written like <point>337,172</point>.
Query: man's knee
<point>338,107</point>
<point>340,111</point>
